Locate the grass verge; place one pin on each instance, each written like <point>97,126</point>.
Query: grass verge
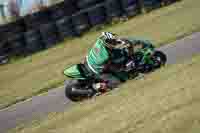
<point>40,72</point>
<point>166,101</point>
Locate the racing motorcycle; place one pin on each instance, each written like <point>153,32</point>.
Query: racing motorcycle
<point>81,86</point>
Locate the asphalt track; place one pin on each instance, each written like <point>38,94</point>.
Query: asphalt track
<point>54,101</point>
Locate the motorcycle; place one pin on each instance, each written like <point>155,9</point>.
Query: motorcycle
<point>83,86</point>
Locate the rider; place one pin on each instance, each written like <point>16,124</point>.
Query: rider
<point>108,56</point>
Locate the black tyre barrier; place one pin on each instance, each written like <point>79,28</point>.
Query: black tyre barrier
<point>168,2</point>
<point>130,7</point>
<point>17,44</point>
<point>70,7</point>
<point>128,3</point>
<point>83,4</point>
<point>32,21</point>
<point>17,26</point>
<point>113,8</point>
<point>12,28</point>
<point>4,47</point>
<point>3,59</point>
<point>65,27</point>
<point>49,34</point>
<point>132,10</point>
<point>57,11</point>
<point>33,41</point>
<point>96,14</point>
<point>151,4</point>
<point>50,42</point>
<point>80,22</point>
<point>62,9</point>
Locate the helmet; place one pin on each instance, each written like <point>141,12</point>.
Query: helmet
<point>113,42</point>
<point>109,35</point>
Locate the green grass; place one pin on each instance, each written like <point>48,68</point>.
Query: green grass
<point>166,101</point>
<point>38,73</point>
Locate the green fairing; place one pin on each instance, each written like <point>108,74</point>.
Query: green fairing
<point>146,58</point>
<point>98,56</point>
<point>73,72</point>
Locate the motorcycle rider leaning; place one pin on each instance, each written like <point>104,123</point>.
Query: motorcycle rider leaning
<point>109,56</point>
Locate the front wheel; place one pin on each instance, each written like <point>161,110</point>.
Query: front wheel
<point>159,59</point>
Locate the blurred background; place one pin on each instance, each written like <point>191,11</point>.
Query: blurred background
<point>24,6</point>
<point>29,26</point>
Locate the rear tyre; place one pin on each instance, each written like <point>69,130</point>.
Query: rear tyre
<point>74,93</point>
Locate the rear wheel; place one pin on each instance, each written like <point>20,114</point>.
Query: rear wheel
<point>74,92</point>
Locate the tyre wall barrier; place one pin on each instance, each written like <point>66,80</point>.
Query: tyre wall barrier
<point>83,4</point>
<point>12,28</point>
<point>17,26</point>
<point>33,41</point>
<point>62,9</point>
<point>65,27</point>
<point>130,7</point>
<point>16,44</point>
<point>49,34</point>
<point>36,19</point>
<point>113,8</point>
<point>151,4</point>
<point>57,11</point>
<point>70,7</point>
<point>4,48</point>
<point>97,14</point>
<point>3,59</point>
<point>11,39</point>
<point>168,2</point>
<point>70,18</point>
<point>80,22</point>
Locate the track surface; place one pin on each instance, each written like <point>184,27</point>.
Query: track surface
<point>54,101</point>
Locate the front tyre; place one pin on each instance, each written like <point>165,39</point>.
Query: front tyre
<point>159,59</point>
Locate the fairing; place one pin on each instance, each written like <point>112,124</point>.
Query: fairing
<point>73,72</point>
